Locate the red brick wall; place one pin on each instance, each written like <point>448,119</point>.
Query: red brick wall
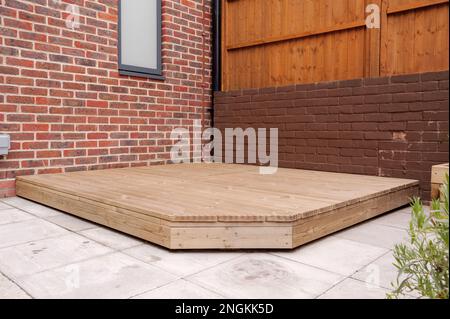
<point>64,103</point>
<point>393,126</point>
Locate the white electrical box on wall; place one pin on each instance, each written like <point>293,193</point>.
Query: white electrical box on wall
<point>4,144</point>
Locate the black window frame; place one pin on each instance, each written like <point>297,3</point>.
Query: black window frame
<point>131,70</point>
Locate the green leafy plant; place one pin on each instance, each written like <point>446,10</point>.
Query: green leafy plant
<point>423,263</point>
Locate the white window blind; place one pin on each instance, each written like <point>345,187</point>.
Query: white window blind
<point>140,37</point>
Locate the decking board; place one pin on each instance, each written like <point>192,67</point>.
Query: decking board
<point>196,206</point>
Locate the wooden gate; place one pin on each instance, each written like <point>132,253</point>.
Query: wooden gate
<point>269,43</point>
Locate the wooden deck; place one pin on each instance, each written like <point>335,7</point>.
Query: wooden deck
<point>220,206</point>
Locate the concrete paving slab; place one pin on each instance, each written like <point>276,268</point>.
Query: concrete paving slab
<point>180,263</point>
<point>111,238</point>
<point>13,215</point>
<point>180,289</point>
<point>335,254</point>
<point>40,255</point>
<point>259,275</point>
<point>112,276</point>
<point>29,230</point>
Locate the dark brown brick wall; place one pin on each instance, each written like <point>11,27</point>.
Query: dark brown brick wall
<point>391,126</point>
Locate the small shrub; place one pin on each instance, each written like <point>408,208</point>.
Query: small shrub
<point>423,264</point>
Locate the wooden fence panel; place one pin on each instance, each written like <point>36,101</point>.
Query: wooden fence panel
<point>415,37</point>
<point>281,42</point>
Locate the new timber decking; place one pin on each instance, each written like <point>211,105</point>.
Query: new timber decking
<point>199,206</point>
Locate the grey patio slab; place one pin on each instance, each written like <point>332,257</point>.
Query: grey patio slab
<point>404,210</point>
<point>180,289</point>
<point>31,207</point>
<point>9,290</point>
<point>374,234</point>
<point>13,215</point>
<point>335,254</point>
<point>396,219</point>
<point>111,238</point>
<point>180,263</point>
<point>71,222</point>
<point>36,256</point>
<point>259,275</point>
<point>29,230</point>
<point>4,206</point>
<point>112,276</point>
<point>354,289</point>
<point>407,209</point>
<point>381,272</point>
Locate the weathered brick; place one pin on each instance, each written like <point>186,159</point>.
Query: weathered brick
<point>408,78</point>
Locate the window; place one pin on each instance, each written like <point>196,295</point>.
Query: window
<point>140,38</point>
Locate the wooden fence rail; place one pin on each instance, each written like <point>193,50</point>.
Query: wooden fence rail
<point>281,42</point>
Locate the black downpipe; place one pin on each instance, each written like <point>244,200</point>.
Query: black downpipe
<point>216,34</point>
<point>216,53</point>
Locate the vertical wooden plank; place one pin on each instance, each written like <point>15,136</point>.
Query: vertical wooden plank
<point>299,51</point>
<point>315,45</point>
<point>360,38</point>
<point>285,71</point>
<point>245,17</point>
<point>329,43</point>
<point>307,53</point>
<point>321,45</point>
<point>372,46</point>
<point>406,60</point>
<point>420,48</point>
<point>442,36</point>
<point>355,39</point>
<point>384,40</point>
<point>340,39</point>
<point>267,29</point>
<point>224,26</point>
<point>277,55</point>
<point>257,57</point>
<point>235,56</point>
